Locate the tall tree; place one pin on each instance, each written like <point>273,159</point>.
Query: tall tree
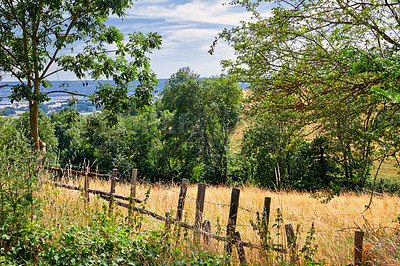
<point>319,60</point>
<point>204,113</point>
<point>40,38</point>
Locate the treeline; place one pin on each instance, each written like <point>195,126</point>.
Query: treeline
<point>187,134</point>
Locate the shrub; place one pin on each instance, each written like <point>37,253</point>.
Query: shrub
<point>18,206</point>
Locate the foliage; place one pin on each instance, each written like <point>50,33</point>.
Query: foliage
<point>36,35</point>
<point>383,185</point>
<point>277,157</point>
<point>270,244</point>
<point>318,61</point>
<point>18,206</point>
<point>186,136</point>
<point>46,132</point>
<point>204,112</point>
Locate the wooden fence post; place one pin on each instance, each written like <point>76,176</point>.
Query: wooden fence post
<point>358,247</point>
<point>291,243</point>
<point>114,179</point>
<point>231,227</point>
<point>206,227</point>
<point>181,201</point>
<point>86,185</point>
<point>265,222</point>
<point>201,190</point>
<point>240,249</point>
<point>133,194</point>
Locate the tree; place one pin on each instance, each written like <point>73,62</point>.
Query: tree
<point>205,111</point>
<point>46,132</point>
<point>36,35</point>
<point>319,61</point>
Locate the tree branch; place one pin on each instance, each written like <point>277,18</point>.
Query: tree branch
<point>68,92</point>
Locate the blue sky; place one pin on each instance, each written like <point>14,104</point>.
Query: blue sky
<point>188,28</point>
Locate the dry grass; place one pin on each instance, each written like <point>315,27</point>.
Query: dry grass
<point>334,221</point>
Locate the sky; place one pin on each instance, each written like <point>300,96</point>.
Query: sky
<point>188,28</point>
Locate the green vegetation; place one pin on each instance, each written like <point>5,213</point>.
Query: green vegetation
<point>322,115</point>
<point>26,238</point>
<point>35,35</point>
<point>187,135</point>
<point>312,68</point>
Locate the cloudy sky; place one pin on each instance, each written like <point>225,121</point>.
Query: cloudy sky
<point>188,28</point>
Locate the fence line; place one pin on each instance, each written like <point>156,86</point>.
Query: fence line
<point>95,191</point>
<point>193,198</point>
<point>147,182</point>
<point>109,195</point>
<point>231,239</point>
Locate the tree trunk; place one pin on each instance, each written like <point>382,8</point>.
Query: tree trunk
<point>38,145</point>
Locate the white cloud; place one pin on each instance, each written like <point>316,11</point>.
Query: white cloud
<point>196,11</point>
<point>187,27</point>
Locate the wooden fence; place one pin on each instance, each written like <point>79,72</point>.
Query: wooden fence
<point>232,238</point>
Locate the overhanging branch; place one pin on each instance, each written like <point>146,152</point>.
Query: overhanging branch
<point>68,92</point>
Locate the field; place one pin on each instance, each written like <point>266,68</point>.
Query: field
<point>335,222</point>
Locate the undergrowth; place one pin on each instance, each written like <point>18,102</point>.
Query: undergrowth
<point>28,238</point>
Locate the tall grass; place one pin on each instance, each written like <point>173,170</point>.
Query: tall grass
<point>334,222</point>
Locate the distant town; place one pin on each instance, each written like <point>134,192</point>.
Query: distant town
<point>60,100</point>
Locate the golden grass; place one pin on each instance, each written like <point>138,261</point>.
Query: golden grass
<point>334,221</point>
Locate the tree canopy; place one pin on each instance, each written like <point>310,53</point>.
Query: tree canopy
<point>40,38</point>
<point>317,63</point>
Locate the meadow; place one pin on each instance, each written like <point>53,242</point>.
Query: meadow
<point>334,222</point>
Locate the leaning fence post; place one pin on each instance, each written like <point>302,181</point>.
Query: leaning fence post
<point>358,247</point>
<point>114,179</point>
<point>231,227</point>
<point>133,194</point>
<point>181,201</point>
<point>86,185</point>
<point>291,242</point>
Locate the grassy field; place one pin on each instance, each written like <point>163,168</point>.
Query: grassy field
<point>334,222</point>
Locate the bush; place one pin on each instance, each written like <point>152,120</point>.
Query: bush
<point>382,185</point>
<point>18,206</point>
<point>108,242</point>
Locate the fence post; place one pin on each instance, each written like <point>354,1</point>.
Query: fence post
<point>206,227</point>
<point>291,243</point>
<point>86,185</point>
<point>201,190</point>
<point>181,201</point>
<point>265,222</point>
<point>133,194</point>
<point>358,247</point>
<point>231,227</point>
<point>114,179</point>
<point>240,249</point>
